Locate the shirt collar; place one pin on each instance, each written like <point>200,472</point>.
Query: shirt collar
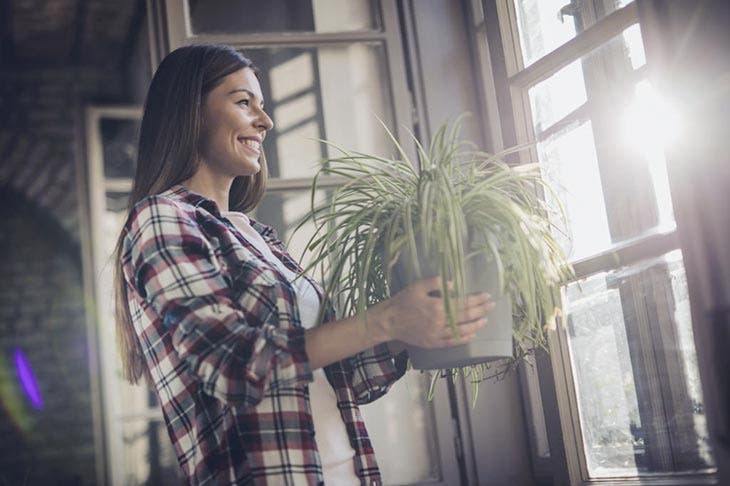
<point>184,194</point>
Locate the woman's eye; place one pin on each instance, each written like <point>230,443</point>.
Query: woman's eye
<point>243,102</point>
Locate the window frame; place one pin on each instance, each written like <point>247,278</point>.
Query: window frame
<point>96,188</point>
<point>505,84</point>
<point>178,33</point>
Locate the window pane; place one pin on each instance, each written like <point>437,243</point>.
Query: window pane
<point>601,132</point>
<point>119,141</point>
<point>635,371</point>
<point>129,399</point>
<point>569,88</point>
<point>328,93</point>
<point>149,457</point>
<point>557,97</point>
<point>545,25</point>
<point>648,126</point>
<point>246,16</point>
<point>569,163</point>
<point>403,432</point>
<point>117,202</point>
<point>283,210</point>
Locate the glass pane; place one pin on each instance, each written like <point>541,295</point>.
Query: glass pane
<point>635,371</point>
<point>283,210</point>
<point>119,139</point>
<point>402,430</point>
<point>568,89</point>
<point>557,97</point>
<point>601,134</point>
<point>569,163</point>
<point>544,25</point>
<point>116,202</point>
<point>131,399</point>
<point>149,457</point>
<point>331,93</point>
<point>648,126</point>
<point>246,16</point>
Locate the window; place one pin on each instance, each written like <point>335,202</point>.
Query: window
<point>137,447</point>
<point>624,363</point>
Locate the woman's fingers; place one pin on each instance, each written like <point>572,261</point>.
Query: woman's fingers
<point>475,312</point>
<point>419,318</point>
<point>470,319</point>
<point>473,307</point>
<point>464,328</point>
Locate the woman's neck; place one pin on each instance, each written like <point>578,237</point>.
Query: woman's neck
<point>212,186</point>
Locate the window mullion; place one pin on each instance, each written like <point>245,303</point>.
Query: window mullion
<point>566,397</point>
<point>179,33</point>
<point>596,35</point>
<point>298,39</point>
<point>303,183</point>
<point>627,253</point>
<point>578,115</point>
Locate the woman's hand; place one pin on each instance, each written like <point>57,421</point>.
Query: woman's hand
<point>416,316</point>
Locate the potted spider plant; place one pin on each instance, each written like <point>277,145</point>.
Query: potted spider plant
<point>460,213</point>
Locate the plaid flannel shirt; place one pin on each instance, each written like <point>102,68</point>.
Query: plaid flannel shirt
<point>223,341</point>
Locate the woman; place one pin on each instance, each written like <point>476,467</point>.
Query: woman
<point>208,307</point>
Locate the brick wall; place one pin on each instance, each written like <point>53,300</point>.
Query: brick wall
<point>42,315</point>
<point>41,293</point>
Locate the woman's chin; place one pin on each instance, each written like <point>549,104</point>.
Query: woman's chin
<point>251,168</point>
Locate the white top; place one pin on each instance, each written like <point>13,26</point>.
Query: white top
<point>331,437</point>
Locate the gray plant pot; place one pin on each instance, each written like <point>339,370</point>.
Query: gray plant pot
<point>494,341</point>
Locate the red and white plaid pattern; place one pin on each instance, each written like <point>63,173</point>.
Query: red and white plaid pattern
<point>223,340</point>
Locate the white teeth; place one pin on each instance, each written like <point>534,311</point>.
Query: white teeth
<point>252,143</point>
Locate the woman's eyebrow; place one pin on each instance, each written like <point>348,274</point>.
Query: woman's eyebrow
<point>244,90</point>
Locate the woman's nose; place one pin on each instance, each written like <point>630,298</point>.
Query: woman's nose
<point>264,122</point>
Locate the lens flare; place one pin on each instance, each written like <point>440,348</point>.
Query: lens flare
<point>11,398</point>
<point>650,123</point>
<point>27,379</point>
<point>651,127</point>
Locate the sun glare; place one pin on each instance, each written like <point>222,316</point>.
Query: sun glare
<point>650,124</point>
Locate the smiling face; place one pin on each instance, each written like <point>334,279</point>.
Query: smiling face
<point>234,126</point>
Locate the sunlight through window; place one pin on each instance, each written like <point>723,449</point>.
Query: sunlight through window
<point>651,125</point>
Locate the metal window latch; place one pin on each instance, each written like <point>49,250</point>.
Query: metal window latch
<point>572,9</point>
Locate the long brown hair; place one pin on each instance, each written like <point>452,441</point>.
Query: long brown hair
<point>168,154</point>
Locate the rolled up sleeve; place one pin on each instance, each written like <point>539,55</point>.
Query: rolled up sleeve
<point>374,371</point>
<point>237,343</point>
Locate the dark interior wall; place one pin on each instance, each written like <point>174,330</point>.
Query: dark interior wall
<point>48,438</point>
<point>41,297</point>
<point>42,110</point>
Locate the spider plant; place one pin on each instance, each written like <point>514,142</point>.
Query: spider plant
<point>457,204</point>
